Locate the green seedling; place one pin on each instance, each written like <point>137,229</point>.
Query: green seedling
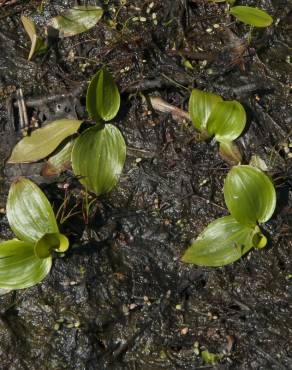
<point>26,261</point>
<point>98,154</point>
<point>74,21</point>
<point>251,199</point>
<point>224,119</point>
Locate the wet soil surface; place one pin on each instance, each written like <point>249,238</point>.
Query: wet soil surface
<point>121,298</point>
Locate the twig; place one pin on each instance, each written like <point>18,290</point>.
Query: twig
<point>144,85</point>
<point>23,118</point>
<point>18,101</point>
<point>38,102</point>
<point>162,106</point>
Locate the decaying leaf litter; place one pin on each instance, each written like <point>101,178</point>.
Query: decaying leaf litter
<point>121,298</point>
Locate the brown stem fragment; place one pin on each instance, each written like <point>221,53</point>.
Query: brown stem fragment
<point>162,106</point>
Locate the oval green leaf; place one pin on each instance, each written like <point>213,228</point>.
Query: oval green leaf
<point>249,195</point>
<point>76,20</point>
<point>59,162</point>
<point>49,243</point>
<point>43,141</point>
<point>227,121</point>
<point>29,212</point>
<point>19,266</point>
<point>103,97</point>
<point>201,104</point>
<point>252,16</point>
<point>222,242</point>
<point>98,158</point>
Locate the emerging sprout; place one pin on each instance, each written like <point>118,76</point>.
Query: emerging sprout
<point>223,119</point>
<point>38,44</point>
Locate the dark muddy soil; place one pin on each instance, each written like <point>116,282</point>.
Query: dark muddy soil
<point>121,298</point>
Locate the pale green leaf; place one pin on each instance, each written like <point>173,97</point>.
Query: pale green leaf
<point>210,358</point>
<point>29,212</point>
<point>249,195</point>
<point>227,121</point>
<point>49,243</point>
<point>258,162</point>
<point>98,158</point>
<point>60,161</point>
<point>76,20</point>
<point>38,45</point>
<point>222,242</point>
<point>252,16</point>
<point>103,97</point>
<point>19,266</point>
<point>43,141</point>
<point>201,104</point>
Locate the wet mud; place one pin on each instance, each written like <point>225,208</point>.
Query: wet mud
<point>121,299</point>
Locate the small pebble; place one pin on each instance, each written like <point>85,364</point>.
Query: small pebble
<point>184,331</point>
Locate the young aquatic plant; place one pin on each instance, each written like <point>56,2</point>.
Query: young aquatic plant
<point>80,18</point>
<point>97,155</point>
<point>26,261</point>
<point>250,197</point>
<point>224,119</point>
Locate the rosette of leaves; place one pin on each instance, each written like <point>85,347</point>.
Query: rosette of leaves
<point>251,199</point>
<point>27,260</point>
<point>99,153</point>
<point>224,119</point>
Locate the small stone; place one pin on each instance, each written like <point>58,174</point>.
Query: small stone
<point>184,331</point>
